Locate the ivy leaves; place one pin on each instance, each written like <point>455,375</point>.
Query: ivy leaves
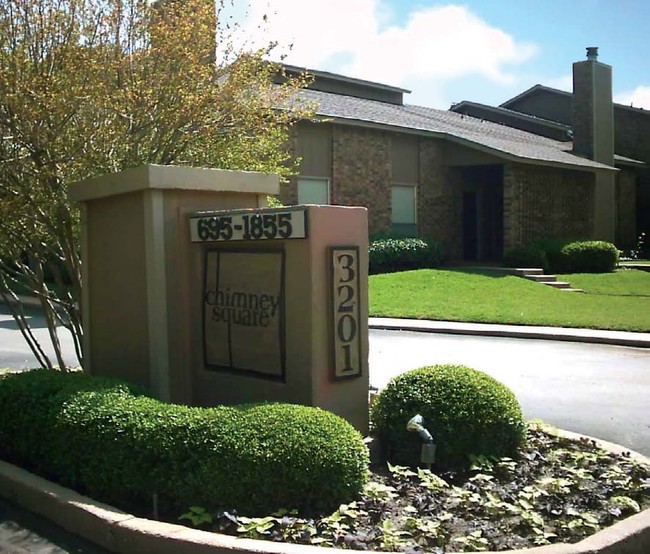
<point>557,490</point>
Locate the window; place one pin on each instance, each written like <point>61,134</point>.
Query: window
<point>313,191</point>
<point>403,202</point>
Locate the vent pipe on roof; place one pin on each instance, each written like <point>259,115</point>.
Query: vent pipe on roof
<point>592,53</point>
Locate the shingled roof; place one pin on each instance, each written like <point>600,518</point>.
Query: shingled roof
<point>500,140</point>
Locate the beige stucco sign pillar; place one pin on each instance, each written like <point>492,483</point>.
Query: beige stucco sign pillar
<point>197,291</point>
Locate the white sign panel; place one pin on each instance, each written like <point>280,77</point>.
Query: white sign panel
<point>269,224</point>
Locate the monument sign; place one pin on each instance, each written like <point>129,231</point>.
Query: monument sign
<point>194,289</point>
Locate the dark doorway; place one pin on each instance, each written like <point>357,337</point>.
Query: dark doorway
<point>470,223</point>
<point>483,213</point>
<point>643,210</point>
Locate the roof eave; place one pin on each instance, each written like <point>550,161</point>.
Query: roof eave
<point>519,115</point>
<point>464,142</point>
<point>533,90</point>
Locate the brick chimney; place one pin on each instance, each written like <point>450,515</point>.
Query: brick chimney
<point>593,110</point>
<point>593,136</point>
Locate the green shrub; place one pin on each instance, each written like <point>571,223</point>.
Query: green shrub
<point>525,256</point>
<point>467,412</point>
<point>566,256</point>
<point>105,439</point>
<point>398,254</point>
<point>594,256</point>
<point>552,248</point>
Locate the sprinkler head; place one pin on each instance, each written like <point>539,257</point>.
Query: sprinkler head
<point>415,423</point>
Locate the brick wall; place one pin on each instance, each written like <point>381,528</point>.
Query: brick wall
<point>632,138</point>
<point>361,174</point>
<point>632,133</point>
<point>439,198</point>
<point>538,201</point>
<point>541,202</point>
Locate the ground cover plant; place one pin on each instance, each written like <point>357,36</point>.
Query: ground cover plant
<point>557,490</point>
<point>492,297</point>
<point>524,486</point>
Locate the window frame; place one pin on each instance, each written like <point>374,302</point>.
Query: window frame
<point>415,222</point>
<point>325,180</point>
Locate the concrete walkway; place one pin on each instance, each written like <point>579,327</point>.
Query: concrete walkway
<point>620,338</point>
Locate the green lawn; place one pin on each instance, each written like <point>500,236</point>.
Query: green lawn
<point>619,301</point>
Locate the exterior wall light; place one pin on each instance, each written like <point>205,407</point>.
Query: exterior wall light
<point>428,454</point>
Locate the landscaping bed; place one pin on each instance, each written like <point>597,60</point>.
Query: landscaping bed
<point>222,465</point>
<point>558,490</point>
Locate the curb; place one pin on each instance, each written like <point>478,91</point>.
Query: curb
<point>595,336</point>
<point>121,532</point>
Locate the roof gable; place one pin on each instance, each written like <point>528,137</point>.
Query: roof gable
<point>519,120</point>
<point>325,81</point>
<point>503,141</point>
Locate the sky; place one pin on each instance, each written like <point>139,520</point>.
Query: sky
<point>484,51</point>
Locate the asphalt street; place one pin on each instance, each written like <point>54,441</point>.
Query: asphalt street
<point>599,390</point>
<point>14,352</point>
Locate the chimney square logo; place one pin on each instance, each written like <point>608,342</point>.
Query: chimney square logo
<point>243,312</point>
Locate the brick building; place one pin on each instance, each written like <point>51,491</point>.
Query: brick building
<point>561,115</point>
<point>479,186</point>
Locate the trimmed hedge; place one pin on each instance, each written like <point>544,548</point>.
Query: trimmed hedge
<point>399,254</point>
<point>109,441</point>
<point>467,412</point>
<point>564,256</point>
<point>595,256</point>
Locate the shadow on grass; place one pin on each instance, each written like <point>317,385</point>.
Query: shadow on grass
<point>492,273</point>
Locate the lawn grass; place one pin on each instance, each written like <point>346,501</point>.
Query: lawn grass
<point>624,282</point>
<point>617,301</point>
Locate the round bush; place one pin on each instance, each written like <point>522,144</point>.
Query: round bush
<point>120,447</point>
<point>467,412</point>
<point>594,256</point>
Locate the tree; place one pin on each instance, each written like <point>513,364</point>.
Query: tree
<point>89,87</point>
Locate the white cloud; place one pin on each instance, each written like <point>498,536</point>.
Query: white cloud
<point>432,46</point>
<point>639,97</point>
<point>564,82</point>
